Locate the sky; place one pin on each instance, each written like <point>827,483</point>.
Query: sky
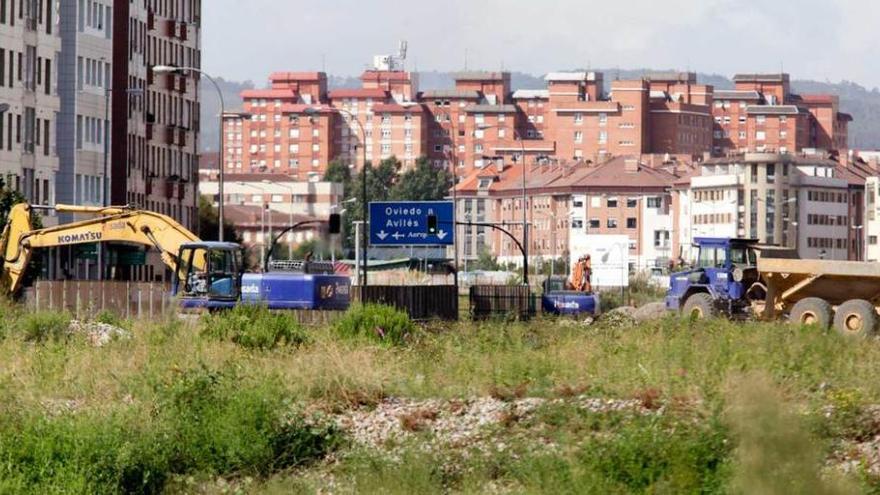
<point>823,40</point>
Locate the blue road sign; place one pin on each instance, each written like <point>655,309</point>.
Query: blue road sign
<point>405,223</point>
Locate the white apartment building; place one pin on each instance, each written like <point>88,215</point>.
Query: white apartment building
<point>29,60</point>
<point>803,203</point>
<point>279,193</point>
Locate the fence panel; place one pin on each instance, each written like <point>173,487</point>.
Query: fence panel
<point>420,302</point>
<point>490,301</point>
<point>87,298</point>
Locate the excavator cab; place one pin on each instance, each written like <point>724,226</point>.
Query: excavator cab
<point>208,275</point>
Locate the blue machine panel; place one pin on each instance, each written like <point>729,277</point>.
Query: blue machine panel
<point>405,223</point>
<point>296,290</point>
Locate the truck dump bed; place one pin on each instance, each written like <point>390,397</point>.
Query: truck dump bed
<point>790,280</point>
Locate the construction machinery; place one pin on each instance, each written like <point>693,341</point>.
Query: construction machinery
<point>735,278</point>
<point>207,275</point>
<point>572,296</point>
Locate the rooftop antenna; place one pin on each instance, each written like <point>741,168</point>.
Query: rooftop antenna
<point>401,53</point>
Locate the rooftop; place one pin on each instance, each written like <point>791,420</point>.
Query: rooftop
<point>296,76</point>
<point>773,110</point>
<point>672,76</point>
<point>778,78</point>
<point>481,76</point>
<point>491,109</point>
<point>269,93</point>
<point>733,94</point>
<point>358,93</point>
<point>577,76</point>
<point>451,93</point>
<point>530,94</point>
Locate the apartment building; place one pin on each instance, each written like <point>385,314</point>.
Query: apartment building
<point>283,194</point>
<point>807,203</point>
<point>566,203</point>
<point>762,115</point>
<point>29,60</point>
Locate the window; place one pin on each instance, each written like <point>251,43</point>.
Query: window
<point>630,223</point>
<point>661,239</point>
<point>632,202</point>
<point>603,118</point>
<point>612,223</point>
<point>577,223</point>
<point>611,203</point>
<point>595,223</point>
<point>655,202</point>
<point>761,119</point>
<point>603,137</point>
<point>578,136</point>
<point>577,203</point>
<point>872,240</point>
<point>438,148</point>
<point>760,136</point>
<point>578,118</point>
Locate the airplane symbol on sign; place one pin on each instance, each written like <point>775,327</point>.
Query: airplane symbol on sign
<point>398,236</point>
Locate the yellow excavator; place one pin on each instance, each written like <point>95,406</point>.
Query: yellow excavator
<point>208,275</point>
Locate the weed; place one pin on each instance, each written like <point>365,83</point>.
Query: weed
<point>375,322</point>
<point>44,326</point>
<point>255,327</point>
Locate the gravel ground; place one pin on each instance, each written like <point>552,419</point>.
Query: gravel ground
<point>456,422</point>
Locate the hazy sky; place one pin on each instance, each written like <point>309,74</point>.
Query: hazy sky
<point>814,39</point>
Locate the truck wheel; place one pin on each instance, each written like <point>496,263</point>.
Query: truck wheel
<point>856,317</point>
<point>812,311</point>
<point>699,306</point>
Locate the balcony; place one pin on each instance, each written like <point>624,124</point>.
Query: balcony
<point>151,20</point>
<point>170,134</point>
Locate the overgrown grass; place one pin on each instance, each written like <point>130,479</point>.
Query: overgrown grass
<point>255,327</point>
<point>225,398</point>
<point>375,322</point>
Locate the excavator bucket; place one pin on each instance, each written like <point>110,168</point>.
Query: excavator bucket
<point>15,255</point>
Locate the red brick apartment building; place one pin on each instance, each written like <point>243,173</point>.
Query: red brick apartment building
<point>297,126</point>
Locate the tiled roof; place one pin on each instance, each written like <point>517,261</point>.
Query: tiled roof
<point>613,173</point>
<point>358,93</point>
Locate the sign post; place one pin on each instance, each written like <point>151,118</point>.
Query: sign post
<point>405,223</point>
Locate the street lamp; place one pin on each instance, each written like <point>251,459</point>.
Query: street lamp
<point>518,137</point>
<point>453,158</point>
<point>264,207</point>
<point>312,111</point>
<point>170,69</point>
<point>290,211</point>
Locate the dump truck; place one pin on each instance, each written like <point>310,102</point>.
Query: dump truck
<point>732,279</point>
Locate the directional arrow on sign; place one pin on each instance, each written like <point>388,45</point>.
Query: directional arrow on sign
<point>441,235</point>
<point>398,235</point>
<point>382,234</point>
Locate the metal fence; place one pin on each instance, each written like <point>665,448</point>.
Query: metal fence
<point>421,302</point>
<point>87,298</point>
<point>501,301</point>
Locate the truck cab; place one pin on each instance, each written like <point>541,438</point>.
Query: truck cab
<point>208,275</point>
<point>725,268</point>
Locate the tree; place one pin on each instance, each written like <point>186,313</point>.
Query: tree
<point>424,182</point>
<point>380,182</point>
<point>339,172</point>
<point>209,221</point>
<point>8,199</point>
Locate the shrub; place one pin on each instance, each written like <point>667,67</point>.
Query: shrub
<point>43,326</point>
<point>110,318</point>
<point>255,327</point>
<point>375,322</point>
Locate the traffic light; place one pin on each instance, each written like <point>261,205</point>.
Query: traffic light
<point>432,224</point>
<point>335,223</point>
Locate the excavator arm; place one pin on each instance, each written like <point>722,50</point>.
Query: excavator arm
<point>112,224</point>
